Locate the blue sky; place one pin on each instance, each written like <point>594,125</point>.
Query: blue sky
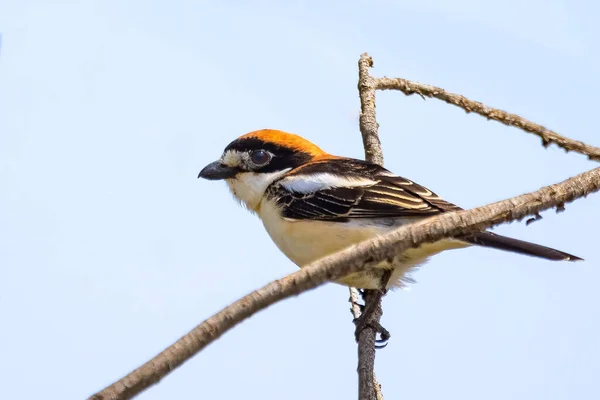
<point>111,249</point>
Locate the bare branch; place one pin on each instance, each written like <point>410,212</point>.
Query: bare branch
<point>367,86</point>
<point>368,387</point>
<point>548,137</point>
<point>356,258</point>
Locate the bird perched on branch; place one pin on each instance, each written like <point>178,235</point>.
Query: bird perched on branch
<point>314,204</point>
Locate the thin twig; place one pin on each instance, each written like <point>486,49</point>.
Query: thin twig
<point>356,258</point>
<point>354,302</point>
<point>368,386</point>
<point>548,137</point>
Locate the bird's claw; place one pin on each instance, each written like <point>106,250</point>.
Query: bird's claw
<point>384,334</point>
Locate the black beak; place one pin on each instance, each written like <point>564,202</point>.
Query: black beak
<point>215,171</point>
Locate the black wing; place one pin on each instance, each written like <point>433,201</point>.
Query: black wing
<point>388,196</point>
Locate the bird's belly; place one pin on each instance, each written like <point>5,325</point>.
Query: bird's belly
<point>306,241</point>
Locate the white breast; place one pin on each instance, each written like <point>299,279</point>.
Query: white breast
<point>306,241</point>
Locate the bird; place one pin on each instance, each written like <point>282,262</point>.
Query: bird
<point>313,204</point>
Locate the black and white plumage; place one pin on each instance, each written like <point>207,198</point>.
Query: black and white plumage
<point>313,204</point>
<point>341,189</point>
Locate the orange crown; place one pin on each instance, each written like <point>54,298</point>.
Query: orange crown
<point>288,140</point>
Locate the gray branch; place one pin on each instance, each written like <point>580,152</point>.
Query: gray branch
<point>356,258</point>
<point>368,387</point>
<point>548,137</point>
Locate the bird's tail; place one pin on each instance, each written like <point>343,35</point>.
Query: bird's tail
<point>490,239</point>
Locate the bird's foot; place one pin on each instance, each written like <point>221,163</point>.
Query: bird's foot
<point>384,334</point>
<point>366,321</point>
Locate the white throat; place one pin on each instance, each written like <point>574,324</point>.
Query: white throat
<point>249,187</point>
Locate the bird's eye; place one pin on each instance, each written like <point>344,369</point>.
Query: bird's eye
<point>260,157</point>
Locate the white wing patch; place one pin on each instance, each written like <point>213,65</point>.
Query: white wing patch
<point>321,181</point>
